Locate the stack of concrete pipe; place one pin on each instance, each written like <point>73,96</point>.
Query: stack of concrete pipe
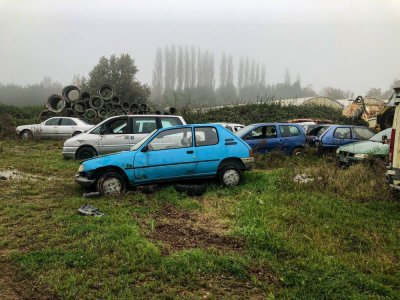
<point>93,108</point>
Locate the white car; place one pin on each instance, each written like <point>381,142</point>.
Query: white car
<point>231,126</point>
<point>115,134</point>
<point>56,127</point>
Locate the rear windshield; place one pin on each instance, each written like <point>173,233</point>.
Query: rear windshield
<point>378,137</point>
<point>318,131</point>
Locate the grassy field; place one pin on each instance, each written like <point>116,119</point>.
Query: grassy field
<point>335,237</point>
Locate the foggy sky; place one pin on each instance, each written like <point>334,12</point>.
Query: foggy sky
<point>353,45</point>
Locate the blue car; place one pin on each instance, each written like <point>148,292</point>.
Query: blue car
<point>170,154</point>
<point>266,137</point>
<point>329,137</point>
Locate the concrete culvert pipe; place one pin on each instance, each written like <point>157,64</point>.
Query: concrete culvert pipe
<point>85,97</point>
<point>71,93</point>
<point>90,114</point>
<point>79,107</point>
<point>112,113</point>
<point>133,112</point>
<point>125,105</point>
<point>170,110</point>
<point>134,107</point>
<point>96,102</point>
<point>69,112</point>
<point>108,106</point>
<point>45,114</point>
<point>157,112</point>
<point>55,103</point>
<point>142,107</point>
<point>115,100</point>
<point>117,107</point>
<point>106,92</point>
<point>102,113</point>
<point>121,113</point>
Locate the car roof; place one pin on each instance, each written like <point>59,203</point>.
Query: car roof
<point>273,123</point>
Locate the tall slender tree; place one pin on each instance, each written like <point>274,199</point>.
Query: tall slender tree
<point>157,81</point>
<point>180,69</point>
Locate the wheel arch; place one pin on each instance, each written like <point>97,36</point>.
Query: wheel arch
<point>231,160</point>
<point>80,147</point>
<point>102,170</point>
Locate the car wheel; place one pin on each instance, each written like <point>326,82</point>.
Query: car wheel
<point>85,153</point>
<point>297,151</point>
<point>191,189</point>
<point>26,134</point>
<point>111,183</point>
<point>230,176</point>
<point>76,133</point>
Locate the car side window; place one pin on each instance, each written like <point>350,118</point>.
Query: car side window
<point>170,122</point>
<point>289,130</point>
<point>172,139</point>
<point>115,126</point>
<point>263,132</point>
<point>52,122</point>
<point>362,133</point>
<point>143,125</point>
<point>205,136</point>
<point>342,133</point>
<point>67,122</point>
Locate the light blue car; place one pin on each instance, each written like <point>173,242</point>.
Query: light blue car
<point>171,154</point>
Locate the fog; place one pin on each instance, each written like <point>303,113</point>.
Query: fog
<point>351,45</point>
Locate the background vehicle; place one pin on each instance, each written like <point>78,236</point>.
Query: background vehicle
<point>377,146</point>
<point>393,173</point>
<point>116,134</point>
<point>170,154</point>
<point>57,127</point>
<point>330,137</point>
<point>266,137</point>
<point>231,126</point>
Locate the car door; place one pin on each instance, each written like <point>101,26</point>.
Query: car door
<point>263,138</point>
<point>207,150</point>
<point>169,155</point>
<point>140,128</point>
<point>50,128</point>
<point>290,138</point>
<point>114,136</point>
<point>66,128</point>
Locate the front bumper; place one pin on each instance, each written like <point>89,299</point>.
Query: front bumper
<point>69,152</point>
<point>348,160</point>
<point>84,181</point>
<point>248,163</point>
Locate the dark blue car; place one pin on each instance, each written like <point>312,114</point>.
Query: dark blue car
<point>170,154</point>
<point>266,137</point>
<point>330,136</point>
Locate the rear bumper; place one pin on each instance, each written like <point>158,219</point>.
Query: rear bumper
<point>84,181</point>
<point>248,163</point>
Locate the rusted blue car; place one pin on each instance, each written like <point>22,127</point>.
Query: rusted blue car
<point>171,154</point>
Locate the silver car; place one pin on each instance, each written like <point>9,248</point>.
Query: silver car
<point>116,134</point>
<point>56,127</point>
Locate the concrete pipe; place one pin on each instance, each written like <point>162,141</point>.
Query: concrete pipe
<point>121,113</point>
<point>90,114</point>
<point>96,102</point>
<point>115,100</point>
<point>125,106</point>
<point>117,107</point>
<point>170,110</point>
<point>134,107</point>
<point>106,92</point>
<point>69,112</point>
<point>108,106</point>
<point>79,107</point>
<point>55,103</point>
<point>102,113</point>
<point>157,112</point>
<point>133,112</point>
<point>71,93</point>
<point>112,113</point>
<point>45,114</point>
<point>142,107</point>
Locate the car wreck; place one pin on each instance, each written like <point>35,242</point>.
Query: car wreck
<point>171,154</point>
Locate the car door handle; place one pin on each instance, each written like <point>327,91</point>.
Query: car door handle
<point>190,152</point>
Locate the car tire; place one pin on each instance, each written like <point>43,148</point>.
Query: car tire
<point>76,133</point>
<point>297,151</point>
<point>111,184</point>
<point>230,176</point>
<point>85,152</point>
<point>26,134</point>
<point>191,189</point>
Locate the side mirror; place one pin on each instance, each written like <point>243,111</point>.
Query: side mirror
<point>145,148</point>
<point>384,139</point>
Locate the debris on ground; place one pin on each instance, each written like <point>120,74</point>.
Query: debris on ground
<point>14,174</point>
<point>91,195</point>
<point>303,178</point>
<point>90,210</point>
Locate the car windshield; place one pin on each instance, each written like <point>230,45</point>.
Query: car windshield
<point>141,142</point>
<point>378,137</point>
<point>84,122</point>
<point>318,131</point>
<point>244,130</point>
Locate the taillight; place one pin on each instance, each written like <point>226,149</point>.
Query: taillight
<point>391,147</point>
<point>251,154</point>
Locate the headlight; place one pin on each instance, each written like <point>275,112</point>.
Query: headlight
<point>360,155</point>
<point>81,168</point>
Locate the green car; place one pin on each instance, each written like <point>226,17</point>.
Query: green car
<point>377,146</point>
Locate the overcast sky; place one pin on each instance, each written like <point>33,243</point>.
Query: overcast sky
<point>351,45</point>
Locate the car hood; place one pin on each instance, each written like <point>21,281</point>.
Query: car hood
<point>366,147</point>
<point>123,159</point>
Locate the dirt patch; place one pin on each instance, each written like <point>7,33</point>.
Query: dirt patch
<point>182,229</point>
<point>14,174</point>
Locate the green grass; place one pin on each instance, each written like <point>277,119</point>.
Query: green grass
<point>337,237</point>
